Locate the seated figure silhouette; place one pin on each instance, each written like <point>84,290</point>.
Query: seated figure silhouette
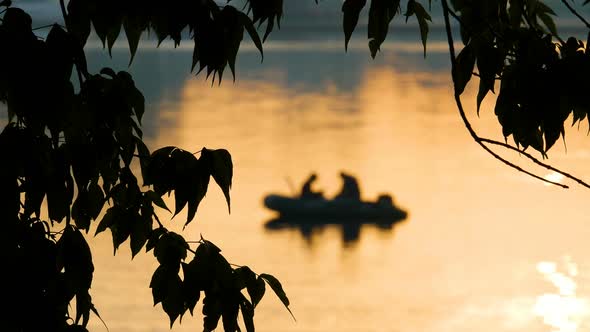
<point>306,190</point>
<point>350,188</point>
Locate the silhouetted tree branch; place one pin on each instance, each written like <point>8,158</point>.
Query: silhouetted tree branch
<point>482,141</point>
<point>571,9</point>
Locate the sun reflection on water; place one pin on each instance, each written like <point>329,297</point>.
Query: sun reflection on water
<point>562,310</point>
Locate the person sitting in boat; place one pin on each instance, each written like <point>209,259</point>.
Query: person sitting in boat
<point>385,200</point>
<point>350,188</point>
<point>306,191</point>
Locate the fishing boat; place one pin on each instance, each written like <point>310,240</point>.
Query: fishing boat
<point>342,209</point>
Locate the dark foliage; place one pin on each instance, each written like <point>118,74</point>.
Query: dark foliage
<point>72,148</point>
<point>72,152</point>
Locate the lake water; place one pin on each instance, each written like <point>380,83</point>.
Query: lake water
<point>484,248</point>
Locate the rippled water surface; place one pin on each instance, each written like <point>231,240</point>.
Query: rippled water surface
<point>484,248</point>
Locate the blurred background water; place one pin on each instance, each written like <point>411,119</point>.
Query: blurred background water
<point>484,247</point>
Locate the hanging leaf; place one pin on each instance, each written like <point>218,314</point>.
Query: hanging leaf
<point>247,314</point>
<point>489,63</point>
<point>170,249</point>
<point>233,35</point>
<point>544,12</point>
<point>255,286</point>
<point>221,168</point>
<point>134,25</point>
<point>381,12</point>
<point>142,229</point>
<point>249,26</point>
<point>463,70</point>
<point>75,257</point>
<point>211,311</point>
<point>351,10</point>
<point>154,237</point>
<point>230,309</point>
<point>276,286</point>
<point>78,22</point>
<point>415,8</point>
<point>166,288</point>
<point>268,11</point>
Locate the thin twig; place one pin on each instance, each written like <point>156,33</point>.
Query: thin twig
<point>535,160</point>
<point>462,111</point>
<point>43,27</point>
<point>571,9</point>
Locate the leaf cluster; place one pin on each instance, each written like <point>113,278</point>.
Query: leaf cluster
<point>70,153</point>
<point>381,14</point>
<point>542,78</point>
<point>217,31</point>
<point>179,283</point>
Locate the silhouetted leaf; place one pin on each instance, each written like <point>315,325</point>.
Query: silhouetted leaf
<point>255,286</point>
<point>134,26</point>
<point>233,33</point>
<point>221,169</point>
<point>60,189</point>
<point>151,196</point>
<point>78,22</point>
<point>230,309</point>
<point>107,21</point>
<point>544,12</point>
<point>249,25</point>
<point>247,314</point>
<point>192,283</point>
<point>142,229</point>
<point>489,62</point>
<point>75,258</point>
<point>159,282</point>
<point>381,12</point>
<point>17,21</point>
<point>108,219</point>
<point>415,8</point>
<point>122,227</point>
<point>61,52</point>
<point>464,69</point>
<point>268,11</point>
<point>154,237</point>
<point>351,10</point>
<point>190,184</point>
<point>95,200</point>
<point>134,99</point>
<point>211,312</point>
<point>83,307</point>
<point>144,157</point>
<point>160,170</point>
<point>170,249</point>
<point>106,71</point>
<point>278,289</point>
<point>166,287</point>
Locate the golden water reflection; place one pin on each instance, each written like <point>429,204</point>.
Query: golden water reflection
<point>461,262</point>
<point>562,310</point>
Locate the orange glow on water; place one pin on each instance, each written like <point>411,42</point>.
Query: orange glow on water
<point>466,258</point>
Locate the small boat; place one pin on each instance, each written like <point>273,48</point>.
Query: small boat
<point>342,209</point>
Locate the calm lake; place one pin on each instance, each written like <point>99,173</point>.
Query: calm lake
<point>484,248</point>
